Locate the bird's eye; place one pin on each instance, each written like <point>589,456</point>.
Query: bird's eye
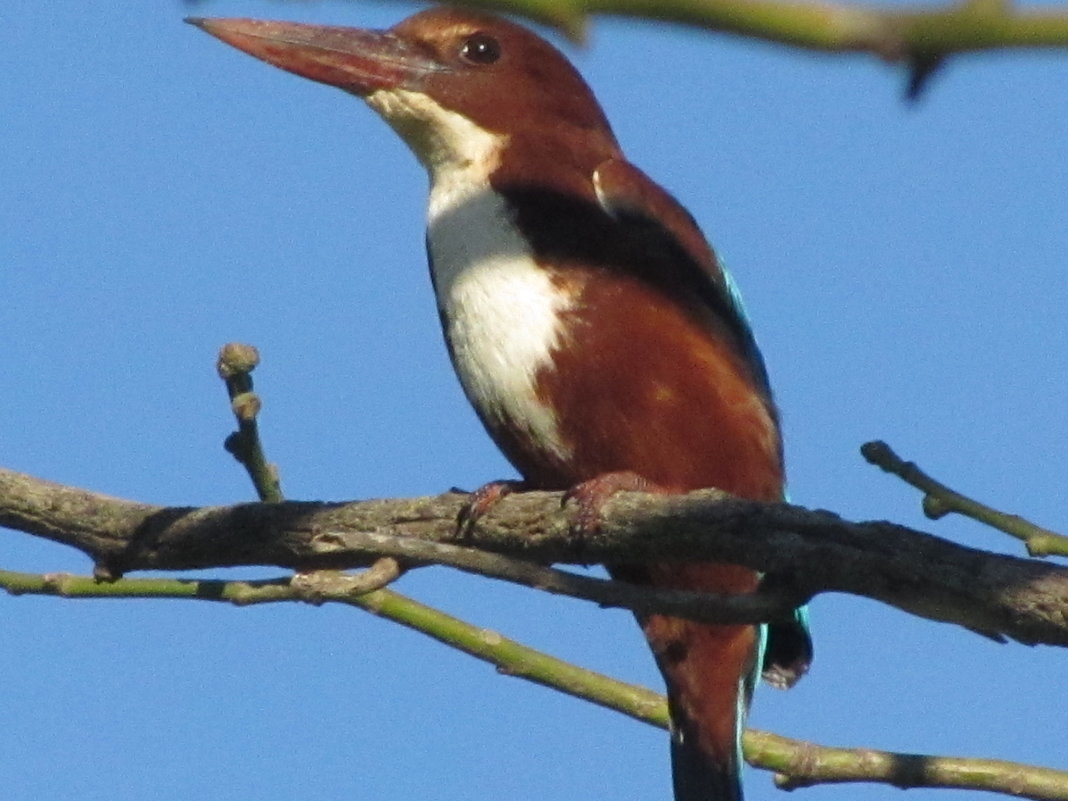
<point>480,48</point>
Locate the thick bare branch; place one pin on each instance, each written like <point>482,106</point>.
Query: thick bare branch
<point>1023,599</point>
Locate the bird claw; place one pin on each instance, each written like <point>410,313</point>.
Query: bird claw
<point>592,495</point>
<point>480,502</point>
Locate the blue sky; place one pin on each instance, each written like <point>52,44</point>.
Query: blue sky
<point>163,194</point>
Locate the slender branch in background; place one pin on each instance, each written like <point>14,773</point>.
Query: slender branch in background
<point>921,38</point>
<point>509,657</point>
<point>939,501</point>
<point>891,32</point>
<point>810,765</point>
<point>797,763</point>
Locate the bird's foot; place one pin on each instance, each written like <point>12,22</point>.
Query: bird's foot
<point>592,495</point>
<point>481,501</point>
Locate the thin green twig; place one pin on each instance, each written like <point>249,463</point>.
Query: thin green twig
<point>939,500</point>
<point>797,763</point>
<point>895,32</point>
<point>508,656</point>
<point>235,365</point>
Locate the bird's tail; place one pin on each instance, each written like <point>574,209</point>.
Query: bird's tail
<point>709,689</point>
<point>710,672</point>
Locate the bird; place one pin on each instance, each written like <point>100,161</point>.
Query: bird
<point>591,325</point>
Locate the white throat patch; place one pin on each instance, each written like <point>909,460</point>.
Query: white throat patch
<point>442,140</point>
<point>501,308</point>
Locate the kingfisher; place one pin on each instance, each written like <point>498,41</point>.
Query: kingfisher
<point>592,327</point>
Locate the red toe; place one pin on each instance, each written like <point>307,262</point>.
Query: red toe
<point>481,501</point>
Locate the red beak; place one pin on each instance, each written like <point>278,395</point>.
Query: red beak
<point>356,60</point>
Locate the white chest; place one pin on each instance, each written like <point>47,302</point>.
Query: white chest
<point>501,310</point>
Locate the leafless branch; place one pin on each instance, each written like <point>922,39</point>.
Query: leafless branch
<point>1025,600</point>
<point>939,501</point>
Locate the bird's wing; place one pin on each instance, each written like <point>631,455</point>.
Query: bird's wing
<point>651,220</point>
<point>659,226</point>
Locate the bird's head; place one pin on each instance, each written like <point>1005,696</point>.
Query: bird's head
<point>458,86</point>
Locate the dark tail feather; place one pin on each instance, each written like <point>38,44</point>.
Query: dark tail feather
<point>697,776</point>
<point>701,776</point>
<point>788,652</point>
<point>710,675</point>
<point>710,672</point>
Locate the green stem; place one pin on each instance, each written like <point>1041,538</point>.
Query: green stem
<point>235,365</point>
<point>939,500</point>
<point>892,32</point>
<point>798,763</point>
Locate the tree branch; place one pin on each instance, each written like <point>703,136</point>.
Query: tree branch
<point>797,763</point>
<point>939,501</point>
<point>235,365</point>
<point>508,656</point>
<point>892,32</point>
<point>920,38</point>
<point>997,595</point>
